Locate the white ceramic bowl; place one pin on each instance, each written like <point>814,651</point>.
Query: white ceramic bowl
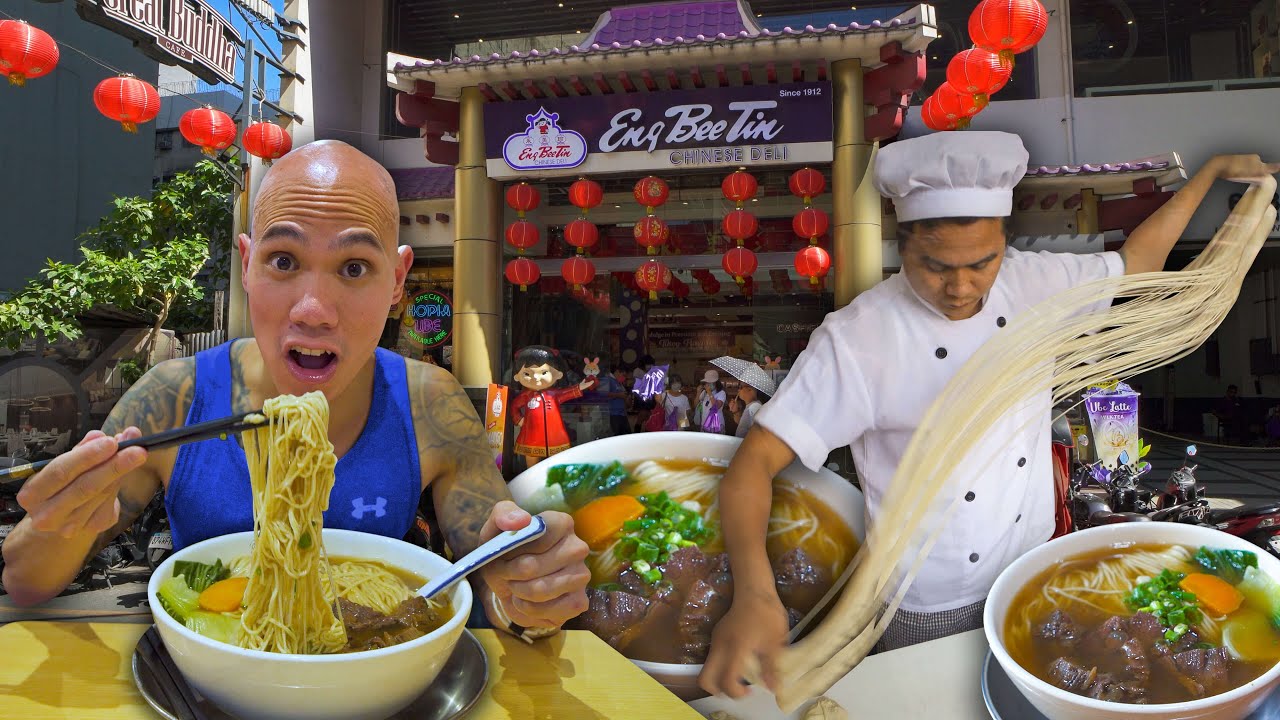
<point>839,494</point>
<point>1058,704</point>
<point>252,684</point>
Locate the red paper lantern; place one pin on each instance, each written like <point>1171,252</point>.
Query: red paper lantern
<point>739,225</point>
<point>654,277</point>
<point>978,72</point>
<point>739,187</point>
<point>577,271</point>
<point>127,100</point>
<point>522,235</point>
<point>208,128</point>
<point>813,262</point>
<point>651,232</point>
<point>1007,27</point>
<point>806,183</point>
<point>956,102</point>
<point>585,194</point>
<point>679,288</point>
<point>651,192</point>
<point>810,223</point>
<point>523,272</point>
<point>26,52</point>
<point>934,118</point>
<point>523,197</point>
<point>581,234</point>
<point>267,141</point>
<point>740,263</point>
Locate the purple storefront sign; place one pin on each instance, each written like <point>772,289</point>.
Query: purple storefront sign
<point>750,125</point>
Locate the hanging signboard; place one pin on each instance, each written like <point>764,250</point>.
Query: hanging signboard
<point>752,125</point>
<point>432,316</point>
<point>186,33</point>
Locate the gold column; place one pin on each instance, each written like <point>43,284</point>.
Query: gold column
<point>857,234</point>
<point>1087,215</point>
<point>477,254</point>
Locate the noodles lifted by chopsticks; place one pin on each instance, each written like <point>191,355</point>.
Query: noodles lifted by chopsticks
<point>1059,345</point>
<point>289,601</point>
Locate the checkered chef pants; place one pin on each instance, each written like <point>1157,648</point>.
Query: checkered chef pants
<point>911,628</point>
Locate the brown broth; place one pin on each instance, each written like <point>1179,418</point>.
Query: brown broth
<point>410,625</point>
<point>1036,655</point>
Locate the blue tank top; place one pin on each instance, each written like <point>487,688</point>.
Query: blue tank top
<point>378,481</point>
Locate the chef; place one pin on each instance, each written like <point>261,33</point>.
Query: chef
<point>873,368</point>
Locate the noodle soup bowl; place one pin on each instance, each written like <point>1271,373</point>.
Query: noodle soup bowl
<point>1059,704</point>
<point>843,499</point>
<point>373,684</point>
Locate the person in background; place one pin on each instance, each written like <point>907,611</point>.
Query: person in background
<point>711,400</point>
<point>614,390</point>
<point>1231,415</point>
<point>744,406</point>
<point>640,405</point>
<point>676,405</point>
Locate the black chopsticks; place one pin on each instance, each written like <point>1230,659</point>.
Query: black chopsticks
<point>173,686</point>
<point>169,438</point>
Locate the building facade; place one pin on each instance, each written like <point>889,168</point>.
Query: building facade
<point>1118,103</point>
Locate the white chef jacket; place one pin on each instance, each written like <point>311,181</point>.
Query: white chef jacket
<point>871,371</point>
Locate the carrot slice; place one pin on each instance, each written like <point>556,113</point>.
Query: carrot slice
<point>224,595</point>
<point>600,520</point>
<point>1217,595</point>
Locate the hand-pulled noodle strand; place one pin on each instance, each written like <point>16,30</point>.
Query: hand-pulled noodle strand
<point>1062,345</point>
<point>290,599</point>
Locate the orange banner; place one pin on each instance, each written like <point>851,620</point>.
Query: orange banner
<point>495,420</point>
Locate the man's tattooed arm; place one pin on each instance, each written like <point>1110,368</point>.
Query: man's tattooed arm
<point>454,456</point>
<point>157,402</point>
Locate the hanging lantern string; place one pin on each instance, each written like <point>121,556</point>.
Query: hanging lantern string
<point>195,100</point>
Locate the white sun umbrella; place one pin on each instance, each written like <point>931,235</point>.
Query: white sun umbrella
<point>747,372</point>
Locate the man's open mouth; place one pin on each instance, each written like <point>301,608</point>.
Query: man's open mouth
<point>310,359</point>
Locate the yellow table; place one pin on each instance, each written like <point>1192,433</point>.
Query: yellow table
<point>82,670</point>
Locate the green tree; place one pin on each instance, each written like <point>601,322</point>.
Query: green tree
<point>144,256</point>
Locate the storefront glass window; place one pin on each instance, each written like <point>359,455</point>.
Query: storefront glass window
<point>1122,47</point>
<point>704,315</point>
<point>421,325</point>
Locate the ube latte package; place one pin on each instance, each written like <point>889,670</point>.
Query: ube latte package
<point>1113,417</point>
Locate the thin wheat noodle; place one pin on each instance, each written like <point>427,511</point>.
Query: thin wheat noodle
<point>290,597</point>
<point>1062,345</point>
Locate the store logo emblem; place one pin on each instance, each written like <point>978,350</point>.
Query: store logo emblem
<point>544,145</point>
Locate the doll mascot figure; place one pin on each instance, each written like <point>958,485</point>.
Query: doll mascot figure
<point>540,431</point>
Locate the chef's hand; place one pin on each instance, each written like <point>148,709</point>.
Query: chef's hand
<point>1243,168</point>
<point>754,628</point>
<point>542,584</point>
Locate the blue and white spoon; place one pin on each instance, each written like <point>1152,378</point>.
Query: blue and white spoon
<point>500,545</point>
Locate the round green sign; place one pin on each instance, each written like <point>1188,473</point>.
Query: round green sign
<point>432,315</point>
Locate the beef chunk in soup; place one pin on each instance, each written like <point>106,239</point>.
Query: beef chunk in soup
<point>1071,676</point>
<point>1202,672</point>
<point>652,638</point>
<point>1146,628</point>
<point>1060,630</point>
<point>703,607</point>
<point>633,583</point>
<point>1113,689</point>
<point>685,568</point>
<point>368,629</point>
<point>609,613</point>
<point>801,584</point>
<point>720,563</point>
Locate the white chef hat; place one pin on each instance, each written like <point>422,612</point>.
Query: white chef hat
<point>951,174</point>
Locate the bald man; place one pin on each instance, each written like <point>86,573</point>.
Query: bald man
<point>320,270</point>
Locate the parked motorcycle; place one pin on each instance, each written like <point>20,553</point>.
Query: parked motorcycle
<point>1118,498</point>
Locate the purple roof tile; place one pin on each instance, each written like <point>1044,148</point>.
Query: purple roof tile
<point>1086,169</point>
<point>650,22</point>
<point>423,183</point>
<point>688,36</point>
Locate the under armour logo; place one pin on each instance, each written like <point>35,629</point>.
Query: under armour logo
<point>378,509</point>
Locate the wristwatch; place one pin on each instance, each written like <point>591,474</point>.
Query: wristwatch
<point>526,634</point>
